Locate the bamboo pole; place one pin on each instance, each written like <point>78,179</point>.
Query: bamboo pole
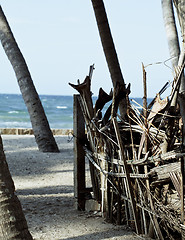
<point>122,157</point>
<point>155,222</point>
<point>146,125</point>
<point>134,154</point>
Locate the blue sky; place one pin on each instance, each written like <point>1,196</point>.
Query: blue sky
<point>59,40</point>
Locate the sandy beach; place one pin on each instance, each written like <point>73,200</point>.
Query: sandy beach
<point>44,185</point>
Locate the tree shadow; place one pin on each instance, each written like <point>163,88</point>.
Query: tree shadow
<point>30,161</point>
<point>47,210</point>
<point>44,185</point>
<point>46,190</point>
<point>104,234</point>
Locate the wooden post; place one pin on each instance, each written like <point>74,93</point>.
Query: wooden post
<point>79,154</point>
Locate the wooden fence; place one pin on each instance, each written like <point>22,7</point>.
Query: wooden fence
<point>136,163</point>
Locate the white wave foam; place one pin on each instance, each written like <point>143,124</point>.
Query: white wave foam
<point>14,124</point>
<point>13,112</point>
<point>61,107</point>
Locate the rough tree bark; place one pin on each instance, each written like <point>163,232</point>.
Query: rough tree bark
<point>171,31</point>
<point>40,125</point>
<point>109,49</point>
<point>180,7</point>
<point>172,37</point>
<point>13,225</point>
<point>176,54</point>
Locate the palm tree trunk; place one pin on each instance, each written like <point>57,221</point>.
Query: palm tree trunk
<point>13,224</point>
<point>172,37</point>
<point>109,48</point>
<point>175,53</point>
<point>171,31</point>
<point>40,125</point>
<point>180,7</point>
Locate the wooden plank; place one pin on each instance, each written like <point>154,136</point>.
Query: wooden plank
<point>159,158</point>
<point>122,157</point>
<point>163,172</point>
<point>90,155</point>
<point>146,160</point>
<point>79,154</point>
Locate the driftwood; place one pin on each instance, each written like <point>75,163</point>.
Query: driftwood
<point>136,163</point>
<point>161,174</point>
<point>103,98</point>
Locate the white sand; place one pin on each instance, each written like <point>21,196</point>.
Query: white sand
<point>44,185</point>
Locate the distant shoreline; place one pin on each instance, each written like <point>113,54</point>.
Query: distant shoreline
<point>29,131</point>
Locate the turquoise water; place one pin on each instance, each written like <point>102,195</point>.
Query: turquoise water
<point>13,112</point>
<point>58,109</point>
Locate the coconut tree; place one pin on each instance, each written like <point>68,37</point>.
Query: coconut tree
<point>180,7</point>
<point>176,54</point>
<point>172,36</point>
<point>109,49</point>
<point>40,125</point>
<point>171,31</point>
<point>13,224</point>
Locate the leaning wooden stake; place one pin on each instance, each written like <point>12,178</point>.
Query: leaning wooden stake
<point>158,231</point>
<point>122,158</point>
<point>145,108</point>
<point>146,127</point>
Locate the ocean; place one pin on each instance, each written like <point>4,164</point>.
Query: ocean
<point>58,109</point>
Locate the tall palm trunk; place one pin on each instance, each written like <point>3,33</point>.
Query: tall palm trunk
<point>13,224</point>
<point>175,53</point>
<point>40,125</point>
<point>180,7</point>
<point>171,31</point>
<point>109,48</point>
<point>172,36</point>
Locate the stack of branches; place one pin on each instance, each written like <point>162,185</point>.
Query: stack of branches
<point>136,161</point>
